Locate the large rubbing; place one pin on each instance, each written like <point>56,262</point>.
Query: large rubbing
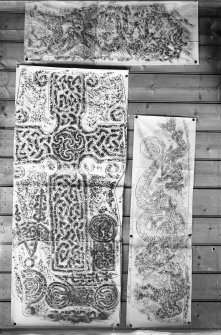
<point>160,254</point>
<point>69,167</point>
<point>99,32</point>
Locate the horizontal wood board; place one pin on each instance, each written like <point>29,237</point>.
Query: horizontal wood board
<point>192,91</point>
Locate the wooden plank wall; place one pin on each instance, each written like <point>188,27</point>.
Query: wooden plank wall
<point>193,91</point>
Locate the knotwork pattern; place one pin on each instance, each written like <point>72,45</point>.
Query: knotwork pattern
<point>70,154</point>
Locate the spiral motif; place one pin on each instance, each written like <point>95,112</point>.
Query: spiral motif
<point>19,172</point>
<point>21,116</point>
<point>118,114</point>
<point>67,144</point>
<point>152,148</point>
<point>112,170</point>
<point>147,225</point>
<point>40,78</point>
<point>150,227</point>
<point>58,295</point>
<point>103,228</point>
<point>92,80</point>
<point>29,310</point>
<point>106,296</point>
<point>34,286</point>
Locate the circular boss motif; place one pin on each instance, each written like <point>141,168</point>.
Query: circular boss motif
<point>117,114</point>
<point>92,80</point>
<point>21,116</point>
<point>67,144</point>
<point>40,78</point>
<point>106,296</point>
<point>58,295</point>
<point>103,228</point>
<point>152,148</point>
<point>112,170</point>
<point>34,286</point>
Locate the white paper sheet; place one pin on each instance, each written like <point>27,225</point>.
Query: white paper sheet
<point>160,255</point>
<point>118,32</point>
<point>69,166</point>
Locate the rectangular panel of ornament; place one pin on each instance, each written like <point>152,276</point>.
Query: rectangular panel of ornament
<point>118,32</point>
<point>69,167</point>
<point>160,254</point>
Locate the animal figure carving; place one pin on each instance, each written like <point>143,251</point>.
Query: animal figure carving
<point>160,224</point>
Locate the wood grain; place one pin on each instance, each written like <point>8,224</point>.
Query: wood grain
<point>207,173</point>
<point>5,258</point>
<point>206,315</point>
<point>5,286</point>
<point>210,62</point>
<point>6,200</point>
<point>207,144</point>
<point>6,171</point>
<point>206,202</point>
<point>208,116</point>
<point>5,230</point>
<point>7,112</point>
<point>150,87</point>
<point>192,91</point>
<point>13,21</point>
<point>174,87</point>
<point>6,142</point>
<point>5,314</point>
